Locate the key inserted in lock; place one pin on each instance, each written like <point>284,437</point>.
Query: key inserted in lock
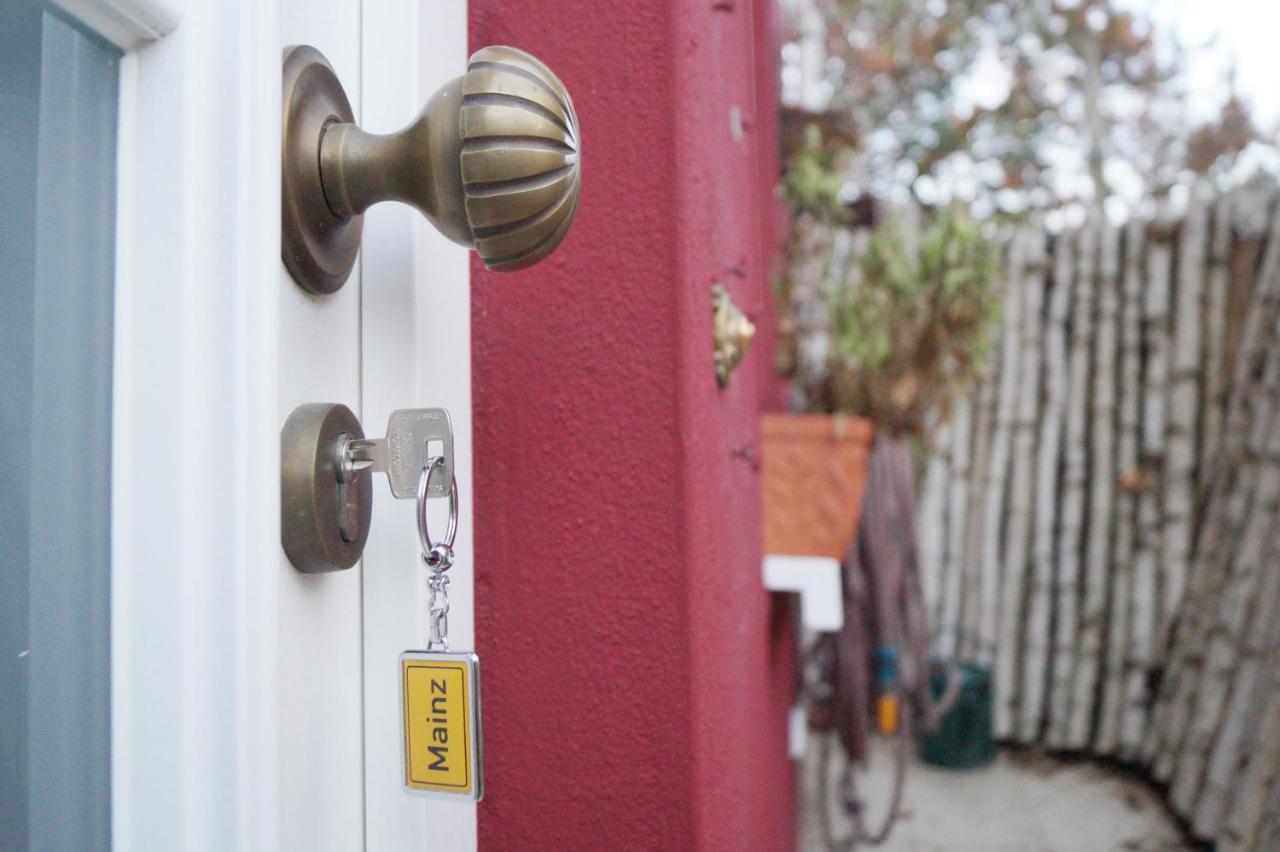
<point>413,435</point>
<point>326,489</point>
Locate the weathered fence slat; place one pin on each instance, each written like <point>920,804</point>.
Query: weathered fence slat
<point>993,506</point>
<point>957,508</point>
<point>1016,557</point>
<point>931,531</point>
<point>1074,483</point>
<point>1216,288</point>
<point>1147,585</point>
<point>1097,547</point>
<point>1111,719</point>
<point>1183,410</point>
<point>1013,567</point>
<point>979,485</point>
<point>1039,641</point>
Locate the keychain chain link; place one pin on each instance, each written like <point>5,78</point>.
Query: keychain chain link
<point>438,609</point>
<point>437,556</point>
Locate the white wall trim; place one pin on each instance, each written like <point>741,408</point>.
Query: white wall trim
<point>195,447</point>
<point>817,580</point>
<point>126,23</point>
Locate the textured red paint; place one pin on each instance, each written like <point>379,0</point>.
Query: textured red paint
<point>776,390</point>
<point>637,676</point>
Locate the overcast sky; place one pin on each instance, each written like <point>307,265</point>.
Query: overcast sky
<point>1243,30</point>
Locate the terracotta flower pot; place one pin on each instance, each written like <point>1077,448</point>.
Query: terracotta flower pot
<point>815,467</point>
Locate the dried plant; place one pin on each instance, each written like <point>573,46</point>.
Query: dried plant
<point>910,331</point>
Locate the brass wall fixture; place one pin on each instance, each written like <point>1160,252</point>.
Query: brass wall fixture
<point>492,161</point>
<point>733,332</point>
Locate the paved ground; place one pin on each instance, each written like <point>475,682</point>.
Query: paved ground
<point>1021,802</point>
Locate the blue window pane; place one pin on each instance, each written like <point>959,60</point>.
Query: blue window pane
<point>58,99</point>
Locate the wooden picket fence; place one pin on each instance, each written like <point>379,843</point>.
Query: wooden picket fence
<point>1100,516</point>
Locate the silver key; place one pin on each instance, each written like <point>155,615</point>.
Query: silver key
<point>403,453</point>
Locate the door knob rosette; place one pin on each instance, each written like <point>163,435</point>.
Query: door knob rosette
<point>492,161</point>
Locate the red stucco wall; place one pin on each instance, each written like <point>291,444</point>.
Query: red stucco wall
<point>774,217</point>
<point>637,676</point>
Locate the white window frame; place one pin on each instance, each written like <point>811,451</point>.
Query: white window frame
<point>197,630</point>
<point>193,762</point>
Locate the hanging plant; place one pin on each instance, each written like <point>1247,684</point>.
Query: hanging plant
<point>910,327</point>
<point>812,181</point>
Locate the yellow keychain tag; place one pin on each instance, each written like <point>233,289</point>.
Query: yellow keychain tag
<point>442,751</point>
<point>440,689</point>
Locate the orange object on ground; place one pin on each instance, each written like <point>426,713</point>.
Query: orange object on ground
<point>887,713</point>
<point>815,468</point>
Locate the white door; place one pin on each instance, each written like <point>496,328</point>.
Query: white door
<point>254,706</point>
<point>416,351</point>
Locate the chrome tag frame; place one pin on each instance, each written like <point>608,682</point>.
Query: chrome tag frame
<point>474,733</point>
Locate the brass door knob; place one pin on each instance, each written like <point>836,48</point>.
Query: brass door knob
<point>492,161</point>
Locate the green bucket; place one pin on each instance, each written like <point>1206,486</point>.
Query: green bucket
<point>963,739</point>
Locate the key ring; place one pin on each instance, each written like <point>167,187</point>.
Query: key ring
<point>437,555</point>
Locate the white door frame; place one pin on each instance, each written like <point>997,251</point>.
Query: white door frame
<point>419,357</point>
<point>237,706</point>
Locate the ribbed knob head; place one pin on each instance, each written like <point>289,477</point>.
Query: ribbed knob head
<point>519,157</point>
